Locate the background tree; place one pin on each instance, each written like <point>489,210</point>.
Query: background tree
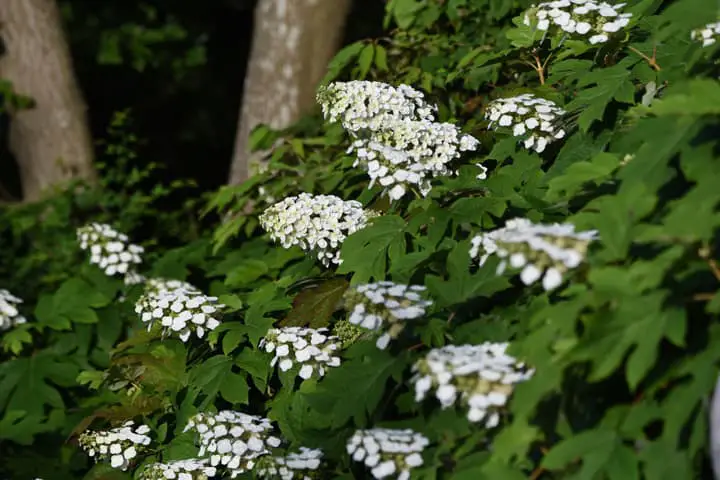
<point>293,42</point>
<point>50,140</point>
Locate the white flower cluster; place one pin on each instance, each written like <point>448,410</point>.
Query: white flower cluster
<point>552,249</point>
<point>388,451</point>
<point>314,349</point>
<point>527,116</point>
<point>9,313</point>
<point>708,34</point>
<point>480,377</point>
<point>385,306</point>
<point>397,140</point>
<point>370,106</point>
<point>180,311</point>
<point>316,223</point>
<point>233,439</point>
<point>191,469</point>
<point>410,153</point>
<point>109,249</point>
<point>120,445</point>
<point>581,18</point>
<point>293,466</point>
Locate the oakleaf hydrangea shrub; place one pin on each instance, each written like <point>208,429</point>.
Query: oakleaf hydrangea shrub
<point>301,465</point>
<point>384,307</point>
<point>315,350</point>
<point>233,439</point>
<point>109,249</point>
<point>318,224</point>
<point>388,452</point>
<point>546,251</point>
<point>528,116</point>
<point>586,19</point>
<point>9,314</point>
<point>494,379</point>
<point>180,311</point>
<point>481,378</point>
<point>118,446</point>
<point>707,35</point>
<point>191,469</point>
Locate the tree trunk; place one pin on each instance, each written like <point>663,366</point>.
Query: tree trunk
<point>293,41</point>
<point>51,141</point>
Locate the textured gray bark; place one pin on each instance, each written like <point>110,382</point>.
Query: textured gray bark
<point>293,41</point>
<point>51,141</point>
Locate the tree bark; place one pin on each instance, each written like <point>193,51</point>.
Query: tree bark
<point>51,141</point>
<point>293,41</point>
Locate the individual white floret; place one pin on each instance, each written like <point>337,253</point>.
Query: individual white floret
<point>579,18</point>
<point>384,307</point>
<point>313,350</point>
<point>480,378</point>
<point>407,154</point>
<point>388,452</point>
<point>369,106</point>
<point>109,249</point>
<point>534,119</point>
<point>539,250</point>
<point>9,313</point>
<point>119,445</point>
<point>232,439</point>
<point>707,35</point>
<point>190,469</point>
<point>318,224</point>
<point>180,312</point>
<point>299,465</point>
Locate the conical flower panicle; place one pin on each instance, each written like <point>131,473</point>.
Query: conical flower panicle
<point>232,439</point>
<point>364,106</point>
<point>314,349</point>
<point>118,445</point>
<point>388,452</point>
<point>9,313</point>
<point>527,116</point>
<point>190,469</point>
<point>546,251</point>
<point>181,311</point>
<point>409,153</point>
<point>318,224</point>
<point>480,378</point>
<point>301,465</point>
<point>109,249</point>
<point>384,307</point>
<point>595,21</point>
